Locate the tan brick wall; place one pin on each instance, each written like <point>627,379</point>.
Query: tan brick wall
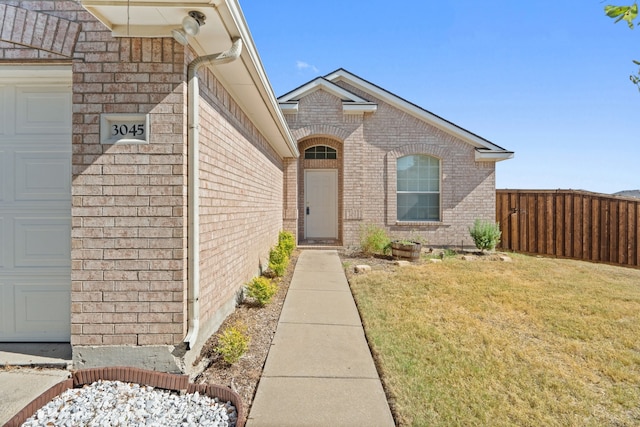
<point>241,198</point>
<point>371,143</point>
<point>128,201</point>
<point>29,34</point>
<point>38,30</point>
<point>290,205</point>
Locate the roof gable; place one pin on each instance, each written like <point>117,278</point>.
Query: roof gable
<point>485,149</point>
<point>351,103</point>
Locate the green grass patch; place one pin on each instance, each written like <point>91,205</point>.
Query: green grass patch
<point>533,342</point>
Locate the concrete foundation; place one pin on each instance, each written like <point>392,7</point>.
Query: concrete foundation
<point>163,358</point>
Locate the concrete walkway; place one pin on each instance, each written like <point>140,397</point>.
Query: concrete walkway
<point>19,386</point>
<point>319,371</point>
<point>28,370</point>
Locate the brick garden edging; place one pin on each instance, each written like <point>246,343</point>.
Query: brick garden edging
<point>154,379</point>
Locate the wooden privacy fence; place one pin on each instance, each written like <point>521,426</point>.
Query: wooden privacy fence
<point>572,224</point>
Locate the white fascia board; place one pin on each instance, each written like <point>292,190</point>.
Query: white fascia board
<point>413,110</point>
<point>277,128</point>
<point>359,107</point>
<point>321,83</point>
<point>289,107</point>
<point>493,156</point>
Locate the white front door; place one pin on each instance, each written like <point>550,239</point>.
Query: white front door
<point>321,204</point>
<point>35,204</point>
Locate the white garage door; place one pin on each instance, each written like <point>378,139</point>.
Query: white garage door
<point>35,204</point>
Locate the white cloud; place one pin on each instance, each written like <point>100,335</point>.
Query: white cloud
<point>301,65</point>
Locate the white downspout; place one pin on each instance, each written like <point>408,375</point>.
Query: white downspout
<point>193,165</point>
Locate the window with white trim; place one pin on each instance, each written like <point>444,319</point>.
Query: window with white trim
<point>321,152</point>
<point>418,188</point>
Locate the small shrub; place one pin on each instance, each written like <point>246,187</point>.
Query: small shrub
<point>261,289</point>
<point>374,239</point>
<point>485,234</point>
<point>233,342</point>
<point>287,241</point>
<point>278,260</point>
<point>449,253</point>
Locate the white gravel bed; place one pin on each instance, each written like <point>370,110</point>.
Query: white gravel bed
<point>114,403</point>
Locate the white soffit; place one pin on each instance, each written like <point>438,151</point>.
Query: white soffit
<point>485,150</point>
<point>245,78</point>
<point>139,18</point>
<point>486,155</point>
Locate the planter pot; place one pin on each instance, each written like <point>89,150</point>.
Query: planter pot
<point>407,250</point>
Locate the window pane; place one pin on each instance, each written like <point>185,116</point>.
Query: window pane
<point>404,163</point>
<point>418,207</point>
<point>418,186</point>
<point>320,152</point>
<point>422,162</point>
<point>404,207</point>
<point>310,153</point>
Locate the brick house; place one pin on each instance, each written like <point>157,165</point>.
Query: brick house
<point>143,180</point>
<point>369,156</point>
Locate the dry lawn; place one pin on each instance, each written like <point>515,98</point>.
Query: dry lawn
<point>532,342</point>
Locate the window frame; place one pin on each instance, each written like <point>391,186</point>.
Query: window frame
<point>396,184</point>
<point>327,151</point>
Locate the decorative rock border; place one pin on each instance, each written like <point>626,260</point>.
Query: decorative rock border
<point>154,379</point>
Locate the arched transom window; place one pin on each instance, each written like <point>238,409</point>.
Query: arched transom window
<point>418,188</point>
<point>320,152</point>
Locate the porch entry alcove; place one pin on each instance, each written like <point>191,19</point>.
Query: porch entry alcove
<point>320,202</point>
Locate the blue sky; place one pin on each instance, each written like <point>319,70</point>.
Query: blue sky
<point>546,79</point>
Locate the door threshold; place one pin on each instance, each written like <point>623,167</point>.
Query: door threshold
<point>319,244</point>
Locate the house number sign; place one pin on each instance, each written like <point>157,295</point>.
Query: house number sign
<point>124,129</point>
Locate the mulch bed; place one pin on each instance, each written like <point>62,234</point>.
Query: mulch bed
<point>261,323</point>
